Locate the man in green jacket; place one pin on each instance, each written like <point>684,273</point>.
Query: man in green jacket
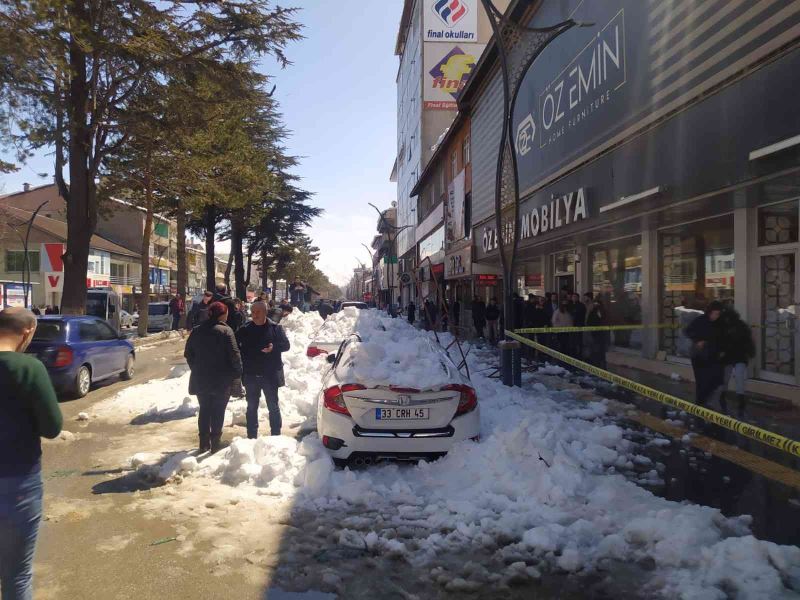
<point>28,411</point>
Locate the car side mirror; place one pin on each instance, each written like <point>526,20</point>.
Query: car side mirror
<point>331,358</point>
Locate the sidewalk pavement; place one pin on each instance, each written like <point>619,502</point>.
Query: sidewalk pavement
<point>774,414</point>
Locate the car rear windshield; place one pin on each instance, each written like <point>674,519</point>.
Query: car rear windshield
<point>96,306</point>
<point>49,331</point>
<point>157,309</point>
<point>356,304</point>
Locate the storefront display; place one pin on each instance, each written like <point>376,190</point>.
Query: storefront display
<point>697,266</point>
<point>617,282</point>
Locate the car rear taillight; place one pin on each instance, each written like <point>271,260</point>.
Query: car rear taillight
<point>467,401</point>
<point>333,399</point>
<point>313,351</point>
<point>63,358</point>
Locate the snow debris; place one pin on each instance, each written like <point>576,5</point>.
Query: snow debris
<point>543,491</point>
<point>675,376</point>
<point>82,416</point>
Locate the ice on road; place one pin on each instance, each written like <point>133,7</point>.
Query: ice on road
<point>542,490</point>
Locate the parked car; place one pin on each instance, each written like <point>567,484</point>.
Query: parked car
<point>361,305</point>
<point>158,317</point>
<point>329,337</point>
<point>362,424</point>
<point>126,319</point>
<point>78,351</point>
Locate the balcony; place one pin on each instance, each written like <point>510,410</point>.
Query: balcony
<point>114,280</point>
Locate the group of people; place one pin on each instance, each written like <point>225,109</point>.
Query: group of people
<point>224,352</point>
<point>550,310</point>
<point>722,345</point>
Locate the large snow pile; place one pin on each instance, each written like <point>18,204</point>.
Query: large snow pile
<point>400,356</point>
<point>542,490</point>
<point>350,320</point>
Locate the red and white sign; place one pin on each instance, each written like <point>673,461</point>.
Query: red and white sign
<point>51,258</point>
<point>53,281</point>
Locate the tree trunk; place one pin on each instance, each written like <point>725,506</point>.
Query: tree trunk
<point>183,268</point>
<point>228,270</point>
<point>211,266</point>
<point>264,269</point>
<point>144,298</point>
<point>249,267</point>
<point>238,258</point>
<point>81,209</point>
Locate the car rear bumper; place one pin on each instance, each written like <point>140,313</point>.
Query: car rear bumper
<point>405,444</point>
<point>62,379</point>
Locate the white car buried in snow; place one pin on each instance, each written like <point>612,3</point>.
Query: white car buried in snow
<point>363,417</point>
<point>339,326</point>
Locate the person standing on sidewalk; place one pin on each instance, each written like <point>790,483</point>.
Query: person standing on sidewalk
<point>737,348</point>
<point>492,317</point>
<point>411,310</point>
<point>297,294</point>
<point>598,340</point>
<point>199,312</point>
<point>28,411</point>
<point>578,320</point>
<point>261,342</point>
<point>177,306</point>
<point>705,334</point>
<point>478,309</point>
<point>563,318</point>
<point>214,359</point>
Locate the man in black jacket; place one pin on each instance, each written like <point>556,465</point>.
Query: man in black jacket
<point>262,342</point>
<point>215,362</point>
<point>705,333</point>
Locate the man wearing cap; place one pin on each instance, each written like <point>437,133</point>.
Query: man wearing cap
<point>261,342</point>
<point>215,362</point>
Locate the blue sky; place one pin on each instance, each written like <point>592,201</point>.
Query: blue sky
<point>338,99</point>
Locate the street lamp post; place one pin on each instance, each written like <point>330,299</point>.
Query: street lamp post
<point>517,47</point>
<point>392,252</point>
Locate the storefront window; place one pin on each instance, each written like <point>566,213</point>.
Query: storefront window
<point>431,244</point>
<point>697,266</point>
<point>778,224</point>
<point>530,277</point>
<point>564,272</point>
<point>617,282</point>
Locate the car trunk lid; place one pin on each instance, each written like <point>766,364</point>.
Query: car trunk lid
<point>401,408</point>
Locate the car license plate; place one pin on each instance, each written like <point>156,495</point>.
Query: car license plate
<point>401,414</point>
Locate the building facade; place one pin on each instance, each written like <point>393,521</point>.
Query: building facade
<point>659,167</point>
<point>438,45</point>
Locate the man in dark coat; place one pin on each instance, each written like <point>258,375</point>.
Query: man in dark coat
<point>199,312</point>
<point>411,310</point>
<point>214,359</point>
<point>261,342</point>
<point>297,293</point>
<point>737,348</point>
<point>705,333</point>
<point>177,306</point>
<point>478,309</point>
<point>492,317</point>
<point>325,309</point>
<point>221,295</point>
<point>578,320</point>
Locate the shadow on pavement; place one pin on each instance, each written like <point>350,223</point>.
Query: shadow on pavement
<point>131,481</point>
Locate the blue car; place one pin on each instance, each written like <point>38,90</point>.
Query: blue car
<point>78,351</point>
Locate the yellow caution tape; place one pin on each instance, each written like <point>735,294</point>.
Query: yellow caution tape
<point>595,328</point>
<point>775,440</point>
